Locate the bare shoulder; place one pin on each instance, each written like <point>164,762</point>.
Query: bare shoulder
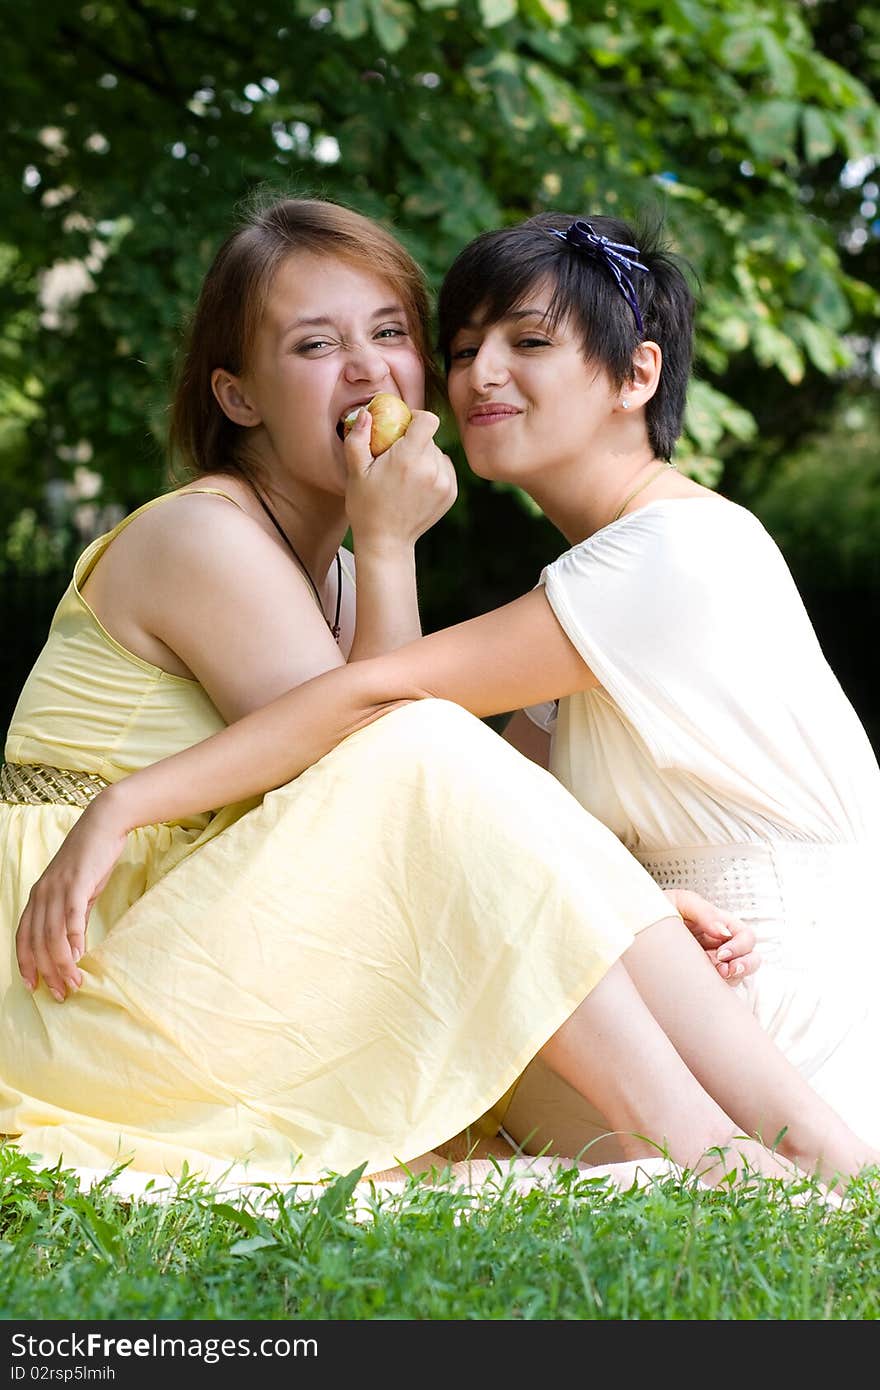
<point>186,541</point>
<point>190,525</point>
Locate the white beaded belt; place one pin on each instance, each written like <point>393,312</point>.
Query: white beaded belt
<point>805,884</point>
<point>36,784</point>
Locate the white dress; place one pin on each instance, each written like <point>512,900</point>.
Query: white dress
<point>723,752</point>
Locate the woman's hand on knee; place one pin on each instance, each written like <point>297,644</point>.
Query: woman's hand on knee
<point>728,942</point>
<point>51,934</point>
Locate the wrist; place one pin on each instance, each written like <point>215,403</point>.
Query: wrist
<point>112,809</point>
<point>383,549</point>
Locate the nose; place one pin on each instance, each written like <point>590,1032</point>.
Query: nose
<point>365,361</point>
<point>488,366</point>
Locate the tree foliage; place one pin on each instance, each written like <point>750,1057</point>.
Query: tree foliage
<point>135,127</point>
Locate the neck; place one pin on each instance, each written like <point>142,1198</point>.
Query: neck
<point>314,523</point>
<point>584,495</point>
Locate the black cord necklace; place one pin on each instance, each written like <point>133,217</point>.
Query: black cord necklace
<point>334,626</point>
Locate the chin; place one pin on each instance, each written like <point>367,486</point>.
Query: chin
<point>494,468</point>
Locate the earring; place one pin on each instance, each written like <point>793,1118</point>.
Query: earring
<point>625,405</point>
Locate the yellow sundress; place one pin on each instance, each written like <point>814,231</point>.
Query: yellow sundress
<point>350,971</point>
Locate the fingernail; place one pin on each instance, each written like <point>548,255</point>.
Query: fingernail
<point>29,984</point>
<point>77,953</point>
<point>738,968</point>
<point>723,953</point>
<point>364,418</point>
<point>722,929</point>
<point>58,995</point>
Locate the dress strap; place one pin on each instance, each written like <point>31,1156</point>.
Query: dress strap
<point>93,552</point>
<point>210,492</point>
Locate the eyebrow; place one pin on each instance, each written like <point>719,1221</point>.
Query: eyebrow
<point>515,314</point>
<point>323,320</point>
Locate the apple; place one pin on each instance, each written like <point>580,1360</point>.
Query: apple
<point>391,419</point>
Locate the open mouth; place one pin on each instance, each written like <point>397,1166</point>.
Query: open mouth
<point>348,415</point>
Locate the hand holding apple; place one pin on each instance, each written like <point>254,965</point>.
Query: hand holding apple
<point>391,418</point>
<point>392,500</point>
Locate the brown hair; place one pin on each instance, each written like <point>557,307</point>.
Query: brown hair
<point>233,297</point>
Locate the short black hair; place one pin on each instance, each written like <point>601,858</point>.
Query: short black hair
<point>495,272</point>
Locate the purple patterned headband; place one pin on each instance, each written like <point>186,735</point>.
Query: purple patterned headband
<point>583,238</point>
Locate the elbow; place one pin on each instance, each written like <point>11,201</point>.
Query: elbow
<point>382,688</point>
<point>370,713</point>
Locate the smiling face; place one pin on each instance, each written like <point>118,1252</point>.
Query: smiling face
<point>525,398</point>
<point>331,335</point>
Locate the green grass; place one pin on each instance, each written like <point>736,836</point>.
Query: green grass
<point>579,1251</point>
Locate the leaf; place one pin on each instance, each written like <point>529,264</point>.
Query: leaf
<point>251,1245</point>
<point>732,331</point>
<point>739,50</point>
<point>334,1202</point>
<point>102,1235</point>
<point>513,96</point>
<point>710,415</point>
<point>392,21</point>
<point>858,133</point>
<point>351,18</point>
<point>335,1199</point>
<point>770,127</point>
<point>775,348</point>
<point>779,65</point>
<point>819,135</point>
<point>560,103</point>
<point>239,1218</point>
<point>817,289</point>
<point>495,12</point>
<point>685,16</point>
<point>552,12</point>
<point>824,347</point>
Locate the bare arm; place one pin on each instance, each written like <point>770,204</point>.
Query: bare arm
<point>514,656</point>
<point>249,628</point>
<point>391,501</point>
<point>517,655</point>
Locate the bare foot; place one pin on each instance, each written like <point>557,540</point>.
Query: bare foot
<point>741,1158</point>
<point>468,1145</point>
<point>425,1163</point>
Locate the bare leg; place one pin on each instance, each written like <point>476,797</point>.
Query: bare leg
<point>614,1052</point>
<point>660,1090</point>
<point>730,1054</point>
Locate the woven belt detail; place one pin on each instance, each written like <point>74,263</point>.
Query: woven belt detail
<point>791,891</point>
<point>35,784</point>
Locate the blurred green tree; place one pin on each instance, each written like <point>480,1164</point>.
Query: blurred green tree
<point>812,471</point>
<point>134,127</point>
